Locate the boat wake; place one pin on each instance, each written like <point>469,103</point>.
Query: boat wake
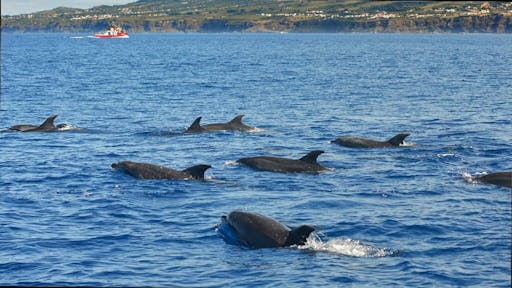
<point>347,247</point>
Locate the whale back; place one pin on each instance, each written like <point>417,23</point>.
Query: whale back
<point>499,178</point>
<point>48,124</point>
<point>146,170</point>
<point>152,171</point>
<point>258,231</point>
<point>357,142</point>
<point>237,120</point>
<point>236,124</point>
<point>306,164</point>
<point>23,127</point>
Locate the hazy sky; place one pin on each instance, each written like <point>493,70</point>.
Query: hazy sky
<point>14,7</point>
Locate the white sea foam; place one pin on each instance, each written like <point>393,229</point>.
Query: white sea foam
<point>346,247</point>
<point>256,130</point>
<point>231,163</point>
<point>473,178</point>
<point>76,37</point>
<point>407,144</point>
<point>67,127</point>
<point>444,155</point>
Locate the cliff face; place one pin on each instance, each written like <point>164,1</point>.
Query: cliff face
<point>469,24</point>
<point>270,15</point>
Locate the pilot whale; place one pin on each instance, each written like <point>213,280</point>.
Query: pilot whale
<point>498,178</point>
<point>258,231</point>
<point>47,126</point>
<point>356,142</point>
<point>234,125</point>
<point>306,164</point>
<point>151,171</point>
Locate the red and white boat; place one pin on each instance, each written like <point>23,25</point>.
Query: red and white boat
<point>113,32</point>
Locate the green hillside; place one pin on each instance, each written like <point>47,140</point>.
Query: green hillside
<point>267,16</point>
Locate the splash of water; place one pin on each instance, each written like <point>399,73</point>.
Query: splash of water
<point>348,247</point>
<point>231,163</point>
<point>444,155</point>
<point>67,127</point>
<point>407,144</point>
<point>257,130</point>
<point>473,179</point>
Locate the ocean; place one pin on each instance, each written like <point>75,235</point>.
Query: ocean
<point>398,217</point>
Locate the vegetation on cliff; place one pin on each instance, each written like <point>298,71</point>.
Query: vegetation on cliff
<point>273,15</point>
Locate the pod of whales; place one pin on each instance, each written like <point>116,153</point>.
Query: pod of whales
<point>356,142</point>
<point>151,171</point>
<point>258,231</point>
<point>234,125</point>
<point>306,164</point>
<point>498,178</point>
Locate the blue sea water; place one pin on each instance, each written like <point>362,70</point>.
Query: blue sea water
<point>402,217</point>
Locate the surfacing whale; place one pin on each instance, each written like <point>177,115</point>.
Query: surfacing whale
<point>306,164</point>
<point>151,171</point>
<point>234,125</point>
<point>47,126</point>
<point>258,231</point>
<point>356,142</point>
<point>498,178</point>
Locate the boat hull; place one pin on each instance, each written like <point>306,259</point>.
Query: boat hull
<point>121,35</point>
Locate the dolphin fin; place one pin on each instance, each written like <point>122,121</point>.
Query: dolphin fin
<point>237,119</point>
<point>197,171</point>
<point>398,139</point>
<point>48,123</point>
<point>299,235</point>
<point>196,126</point>
<point>311,157</point>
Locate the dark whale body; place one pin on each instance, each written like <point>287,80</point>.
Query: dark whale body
<point>258,231</point>
<point>499,178</point>
<point>306,164</point>
<point>356,142</point>
<point>233,125</point>
<point>151,171</point>
<point>47,126</point>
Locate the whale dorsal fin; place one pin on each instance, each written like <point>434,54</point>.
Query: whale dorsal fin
<point>398,139</point>
<point>311,156</point>
<point>196,126</point>
<point>48,123</point>
<point>237,119</point>
<point>299,235</point>
<point>197,171</point>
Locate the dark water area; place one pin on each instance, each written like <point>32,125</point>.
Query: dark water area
<point>400,217</point>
